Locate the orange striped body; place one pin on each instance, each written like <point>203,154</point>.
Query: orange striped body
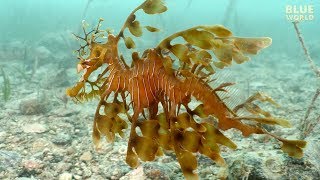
<point>148,82</point>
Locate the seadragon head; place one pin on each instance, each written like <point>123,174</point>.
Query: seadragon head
<point>97,50</point>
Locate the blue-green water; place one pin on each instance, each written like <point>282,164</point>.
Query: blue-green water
<point>32,18</point>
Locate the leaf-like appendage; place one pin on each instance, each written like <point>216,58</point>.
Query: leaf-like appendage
<point>266,120</point>
<point>252,45</point>
<point>104,124</point>
<point>132,158</point>
<point>73,92</point>
<point>201,57</point>
<point>149,128</point>
<point>222,86</point>
<point>199,111</point>
<point>186,73</point>
<point>199,38</point>
<point>191,141</point>
<point>146,148</point>
<point>165,141</point>
<point>264,98</point>
<point>217,38</point>
<point>222,51</point>
<point>152,29</point>
<point>218,30</point>
<point>213,137</point>
<point>248,104</point>
<point>113,109</point>
<point>293,147</point>
<point>154,7</point>
<point>185,120</point>
<point>238,56</point>
<point>215,156</point>
<point>135,28</point>
<point>220,64</point>
<point>187,161</point>
<point>167,64</point>
<point>129,42</point>
<point>96,137</point>
<point>181,52</point>
<point>163,121</point>
<point>119,125</point>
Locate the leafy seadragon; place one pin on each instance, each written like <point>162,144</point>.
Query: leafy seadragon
<point>154,88</point>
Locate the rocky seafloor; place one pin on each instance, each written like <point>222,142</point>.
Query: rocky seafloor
<point>45,135</point>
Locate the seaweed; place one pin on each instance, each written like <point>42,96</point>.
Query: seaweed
<point>160,94</point>
<point>6,87</point>
<point>307,125</point>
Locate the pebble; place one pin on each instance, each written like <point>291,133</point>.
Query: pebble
<point>77,177</point>
<point>166,159</point>
<point>62,139</point>
<point>63,167</point>
<point>87,172</point>
<point>86,156</point>
<point>31,165</point>
<point>65,176</point>
<point>135,174</point>
<point>40,145</point>
<point>2,136</point>
<point>32,107</point>
<point>122,150</point>
<point>70,151</point>
<point>157,171</point>
<point>9,159</point>
<point>26,178</point>
<point>34,128</point>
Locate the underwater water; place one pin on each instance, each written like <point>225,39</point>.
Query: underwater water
<point>45,134</point>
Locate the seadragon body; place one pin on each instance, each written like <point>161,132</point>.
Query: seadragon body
<point>162,93</point>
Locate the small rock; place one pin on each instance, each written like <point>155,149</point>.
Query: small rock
<point>65,176</point>
<point>62,139</point>
<point>156,172</point>
<point>40,145</point>
<point>9,159</point>
<point>86,156</point>
<point>115,170</point>
<point>122,150</point>
<point>87,172</point>
<point>2,136</point>
<point>63,167</point>
<point>135,174</point>
<point>77,177</point>
<point>166,159</point>
<point>32,165</point>
<point>32,107</point>
<point>34,128</point>
<point>26,178</point>
<point>56,157</point>
<point>70,151</point>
